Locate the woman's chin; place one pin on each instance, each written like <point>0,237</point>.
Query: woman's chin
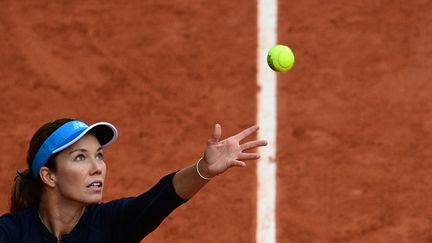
<point>94,199</point>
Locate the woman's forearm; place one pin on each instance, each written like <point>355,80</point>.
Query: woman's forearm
<point>187,182</point>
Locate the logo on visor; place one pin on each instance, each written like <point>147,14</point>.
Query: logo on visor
<point>78,125</point>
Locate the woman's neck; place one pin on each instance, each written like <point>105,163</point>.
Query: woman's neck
<point>59,217</point>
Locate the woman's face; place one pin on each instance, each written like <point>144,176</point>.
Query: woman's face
<point>81,171</point>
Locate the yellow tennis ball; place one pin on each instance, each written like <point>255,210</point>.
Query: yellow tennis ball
<point>280,58</point>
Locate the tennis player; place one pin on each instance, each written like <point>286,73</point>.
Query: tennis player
<point>58,198</point>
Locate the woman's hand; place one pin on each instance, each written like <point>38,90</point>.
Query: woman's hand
<point>219,156</point>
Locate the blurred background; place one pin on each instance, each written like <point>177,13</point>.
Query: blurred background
<point>354,113</point>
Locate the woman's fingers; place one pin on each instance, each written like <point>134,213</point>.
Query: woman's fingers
<point>247,132</point>
<point>253,144</point>
<point>248,156</point>
<point>216,135</point>
<point>238,163</point>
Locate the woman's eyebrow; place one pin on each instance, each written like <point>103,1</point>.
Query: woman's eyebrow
<point>83,150</point>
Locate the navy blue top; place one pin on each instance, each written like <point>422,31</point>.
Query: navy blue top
<point>122,220</point>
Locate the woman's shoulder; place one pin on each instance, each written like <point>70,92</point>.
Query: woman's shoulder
<point>13,224</point>
<point>20,217</point>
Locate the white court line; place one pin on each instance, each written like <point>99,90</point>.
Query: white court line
<point>266,168</point>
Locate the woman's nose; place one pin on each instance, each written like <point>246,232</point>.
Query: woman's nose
<point>96,166</point>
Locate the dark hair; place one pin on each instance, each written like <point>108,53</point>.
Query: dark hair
<point>26,191</point>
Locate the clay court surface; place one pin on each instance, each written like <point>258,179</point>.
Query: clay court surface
<point>354,115</point>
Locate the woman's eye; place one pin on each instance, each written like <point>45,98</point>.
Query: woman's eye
<point>99,156</point>
<point>80,157</point>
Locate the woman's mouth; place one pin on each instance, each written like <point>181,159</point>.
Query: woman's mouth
<point>95,185</point>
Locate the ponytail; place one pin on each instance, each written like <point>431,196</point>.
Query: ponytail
<point>26,191</point>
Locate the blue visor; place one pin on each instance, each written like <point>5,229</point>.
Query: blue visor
<point>68,134</point>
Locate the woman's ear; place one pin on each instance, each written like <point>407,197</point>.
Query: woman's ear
<point>47,176</point>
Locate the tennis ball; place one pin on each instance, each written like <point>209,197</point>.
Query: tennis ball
<point>280,58</point>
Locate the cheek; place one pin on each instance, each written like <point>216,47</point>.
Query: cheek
<point>71,179</point>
